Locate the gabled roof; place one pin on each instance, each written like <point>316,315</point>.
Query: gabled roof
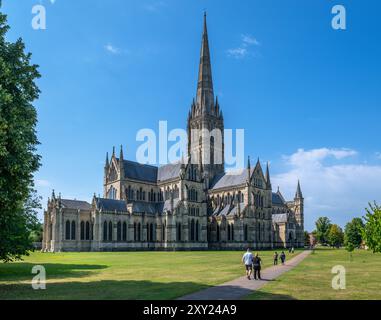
<point>141,172</point>
<point>75,204</point>
<point>111,205</point>
<point>169,172</point>
<point>277,199</point>
<point>230,179</point>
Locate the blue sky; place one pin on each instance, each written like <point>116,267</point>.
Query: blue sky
<point>308,96</point>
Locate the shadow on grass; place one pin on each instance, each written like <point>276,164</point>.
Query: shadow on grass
<point>23,271</point>
<point>101,290</point>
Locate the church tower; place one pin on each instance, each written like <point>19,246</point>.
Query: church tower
<point>205,120</point>
<point>299,213</point>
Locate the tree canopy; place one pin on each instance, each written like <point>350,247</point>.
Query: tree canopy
<point>335,236</point>
<point>323,224</point>
<point>353,233</point>
<point>372,228</point>
<point>18,142</point>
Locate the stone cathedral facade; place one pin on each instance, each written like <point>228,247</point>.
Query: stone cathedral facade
<point>181,206</point>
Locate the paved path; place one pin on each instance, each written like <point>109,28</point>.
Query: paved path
<point>238,288</point>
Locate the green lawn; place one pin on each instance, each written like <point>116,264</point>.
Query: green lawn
<point>312,278</point>
<point>122,275</point>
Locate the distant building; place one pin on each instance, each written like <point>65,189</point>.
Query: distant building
<point>182,206</point>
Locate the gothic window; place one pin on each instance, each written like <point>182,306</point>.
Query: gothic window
<point>139,232</point>
<point>163,232</point>
<point>245,232</point>
<point>135,232</point>
<point>119,231</point>
<point>179,232</point>
<point>197,230</point>
<point>232,231</point>
<point>73,231</point>
<point>67,230</point>
<point>151,232</point>
<point>192,230</point>
<point>82,230</point>
<point>124,231</point>
<point>212,150</point>
<point>110,231</point>
<point>87,230</point>
<point>105,231</point>
<point>228,232</point>
<point>218,232</point>
<point>112,193</point>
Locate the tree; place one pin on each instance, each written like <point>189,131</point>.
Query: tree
<point>372,228</point>
<point>36,234</point>
<point>307,240</point>
<point>18,142</point>
<point>353,233</point>
<point>323,224</point>
<point>335,236</point>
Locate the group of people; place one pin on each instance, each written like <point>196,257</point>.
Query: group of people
<point>254,262</point>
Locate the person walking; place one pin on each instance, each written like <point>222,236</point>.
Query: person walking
<point>275,258</point>
<point>247,260</point>
<point>283,257</point>
<point>257,261</point>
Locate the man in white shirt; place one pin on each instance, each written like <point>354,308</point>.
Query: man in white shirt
<point>247,260</point>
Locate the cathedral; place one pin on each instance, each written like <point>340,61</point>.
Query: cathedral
<point>189,205</point>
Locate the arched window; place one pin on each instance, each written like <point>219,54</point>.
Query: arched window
<point>82,230</point>
<point>245,233</point>
<point>135,232</point>
<point>119,231</point>
<point>259,232</point>
<point>139,232</point>
<point>197,231</point>
<point>211,150</point>
<point>218,232</point>
<point>110,231</point>
<point>232,231</point>
<point>67,230</point>
<point>87,230</point>
<point>163,231</point>
<point>73,231</point>
<point>151,232</point>
<point>179,232</point>
<point>228,232</point>
<point>105,231</point>
<point>124,231</point>
<point>192,230</point>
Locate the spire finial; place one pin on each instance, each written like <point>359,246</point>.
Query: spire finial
<point>121,152</point>
<point>205,93</point>
<point>298,194</point>
<point>268,181</point>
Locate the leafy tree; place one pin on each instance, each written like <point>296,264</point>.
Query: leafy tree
<point>323,224</point>
<point>18,141</point>
<point>335,236</point>
<point>372,228</point>
<point>307,241</point>
<point>353,233</point>
<point>36,233</point>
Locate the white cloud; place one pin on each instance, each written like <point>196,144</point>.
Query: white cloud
<point>237,53</point>
<point>112,49</point>
<point>338,190</point>
<point>155,6</point>
<point>42,183</point>
<point>243,50</point>
<point>249,40</point>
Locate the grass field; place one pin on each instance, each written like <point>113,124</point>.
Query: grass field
<point>122,275</point>
<point>312,278</point>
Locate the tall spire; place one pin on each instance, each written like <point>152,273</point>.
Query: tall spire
<point>268,181</point>
<point>205,94</point>
<point>298,194</point>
